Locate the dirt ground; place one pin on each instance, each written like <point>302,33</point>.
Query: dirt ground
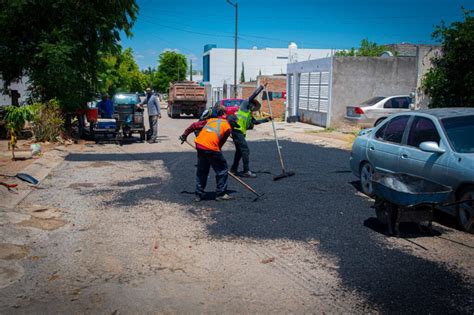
<point>114,229</point>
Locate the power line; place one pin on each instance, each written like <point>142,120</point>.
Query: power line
<point>184,30</point>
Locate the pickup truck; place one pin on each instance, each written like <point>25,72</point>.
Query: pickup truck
<point>186,97</point>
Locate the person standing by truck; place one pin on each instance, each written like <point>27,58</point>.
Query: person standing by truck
<point>153,105</point>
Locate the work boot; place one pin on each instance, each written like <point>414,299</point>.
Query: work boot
<point>234,172</point>
<point>224,197</point>
<point>198,198</point>
<point>248,174</point>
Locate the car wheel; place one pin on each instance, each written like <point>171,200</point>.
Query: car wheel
<point>379,121</point>
<point>366,172</point>
<point>465,211</point>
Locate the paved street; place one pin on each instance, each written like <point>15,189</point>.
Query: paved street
<point>115,230</point>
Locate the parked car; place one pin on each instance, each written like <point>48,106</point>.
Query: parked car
<point>373,111</point>
<point>231,105</point>
<point>436,144</point>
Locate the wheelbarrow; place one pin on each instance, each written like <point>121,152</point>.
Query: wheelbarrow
<point>407,198</point>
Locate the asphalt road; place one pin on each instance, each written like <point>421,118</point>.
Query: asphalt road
<point>133,241</point>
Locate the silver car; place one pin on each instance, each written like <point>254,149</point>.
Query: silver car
<point>373,111</point>
<point>437,144</point>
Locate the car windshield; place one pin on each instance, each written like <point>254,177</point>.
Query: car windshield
<point>124,99</point>
<point>459,131</point>
<point>228,103</point>
<point>372,101</point>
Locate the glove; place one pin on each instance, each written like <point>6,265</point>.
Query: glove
<point>182,138</point>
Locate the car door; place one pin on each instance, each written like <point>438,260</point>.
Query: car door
<point>384,147</point>
<point>413,160</point>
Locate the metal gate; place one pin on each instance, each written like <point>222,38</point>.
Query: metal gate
<point>313,97</point>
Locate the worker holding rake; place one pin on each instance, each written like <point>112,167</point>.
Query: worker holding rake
<point>214,133</point>
<point>242,121</point>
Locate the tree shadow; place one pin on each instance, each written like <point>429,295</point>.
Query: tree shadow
<point>319,202</point>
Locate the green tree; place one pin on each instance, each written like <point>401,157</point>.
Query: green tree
<point>242,74</point>
<point>57,43</point>
<point>450,83</point>
<point>120,72</point>
<point>367,49</point>
<point>172,66</point>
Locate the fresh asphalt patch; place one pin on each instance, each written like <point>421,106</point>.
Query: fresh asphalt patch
<point>318,203</point>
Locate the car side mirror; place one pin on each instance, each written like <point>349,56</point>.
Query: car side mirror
<point>431,146</point>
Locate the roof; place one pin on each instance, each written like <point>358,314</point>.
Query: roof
<point>441,113</point>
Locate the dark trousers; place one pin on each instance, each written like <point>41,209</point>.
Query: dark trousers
<point>241,151</point>
<point>153,120</point>
<point>206,159</point>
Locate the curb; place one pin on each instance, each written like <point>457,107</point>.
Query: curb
<point>39,170</point>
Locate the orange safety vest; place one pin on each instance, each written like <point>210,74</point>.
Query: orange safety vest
<point>212,133</point>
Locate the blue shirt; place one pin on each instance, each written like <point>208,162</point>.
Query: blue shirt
<point>106,108</point>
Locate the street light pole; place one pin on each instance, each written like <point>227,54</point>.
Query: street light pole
<point>236,6</point>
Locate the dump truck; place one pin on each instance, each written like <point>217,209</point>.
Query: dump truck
<point>186,97</point>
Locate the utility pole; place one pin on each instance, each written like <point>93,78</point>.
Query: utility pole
<point>190,70</point>
<point>236,6</point>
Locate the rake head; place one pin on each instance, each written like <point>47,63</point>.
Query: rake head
<point>283,175</point>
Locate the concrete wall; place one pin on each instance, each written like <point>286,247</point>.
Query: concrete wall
<point>355,79</point>
<point>424,54</point>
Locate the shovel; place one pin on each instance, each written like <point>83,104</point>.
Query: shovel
<point>284,173</point>
<point>24,177</point>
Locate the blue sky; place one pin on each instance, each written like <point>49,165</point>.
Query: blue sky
<point>187,25</point>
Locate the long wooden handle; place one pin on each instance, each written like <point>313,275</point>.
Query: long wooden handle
<point>233,176</point>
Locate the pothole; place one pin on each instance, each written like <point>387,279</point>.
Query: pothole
<point>43,212</point>
<point>97,164</point>
<point>81,185</point>
<point>43,224</point>
<point>10,273</point>
<point>13,251</point>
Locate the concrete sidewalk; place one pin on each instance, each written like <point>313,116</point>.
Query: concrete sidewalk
<point>39,170</point>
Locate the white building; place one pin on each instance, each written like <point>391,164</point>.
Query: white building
<point>218,63</point>
<point>17,92</point>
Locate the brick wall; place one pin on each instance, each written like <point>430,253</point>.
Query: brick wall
<point>275,84</point>
<point>246,89</point>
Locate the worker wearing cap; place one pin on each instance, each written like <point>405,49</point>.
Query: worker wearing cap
<point>244,120</point>
<point>214,133</point>
<point>153,105</point>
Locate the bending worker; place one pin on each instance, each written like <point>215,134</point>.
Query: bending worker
<point>245,120</point>
<point>214,133</point>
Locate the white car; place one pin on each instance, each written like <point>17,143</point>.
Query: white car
<point>373,111</point>
<point>436,144</point>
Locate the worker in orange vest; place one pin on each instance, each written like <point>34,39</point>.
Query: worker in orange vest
<point>212,136</point>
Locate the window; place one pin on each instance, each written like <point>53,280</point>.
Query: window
<point>395,129</point>
<point>423,129</point>
<point>380,132</point>
<point>460,131</point>
<point>372,101</point>
<point>397,102</point>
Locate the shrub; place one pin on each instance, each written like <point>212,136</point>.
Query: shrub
<point>48,121</point>
<point>15,119</point>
